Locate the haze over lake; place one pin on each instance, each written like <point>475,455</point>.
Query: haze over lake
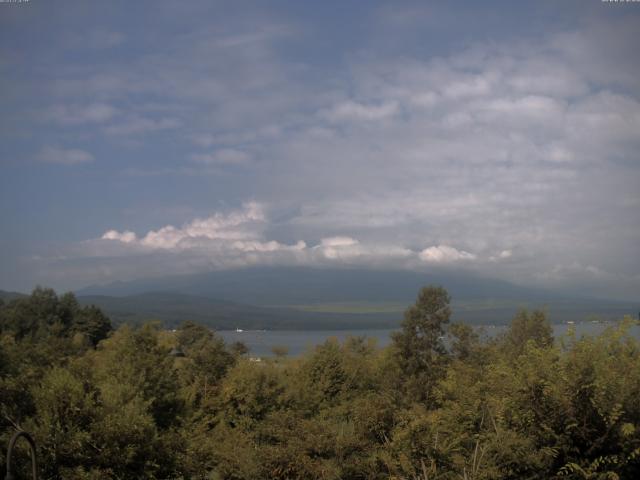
<point>261,342</point>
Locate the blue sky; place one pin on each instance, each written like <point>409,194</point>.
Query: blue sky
<point>144,138</point>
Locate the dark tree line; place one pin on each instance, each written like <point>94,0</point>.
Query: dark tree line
<point>438,403</point>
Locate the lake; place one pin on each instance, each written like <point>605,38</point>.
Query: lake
<point>260,342</point>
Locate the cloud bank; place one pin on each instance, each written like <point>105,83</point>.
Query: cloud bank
<point>237,239</point>
<point>62,156</point>
<point>505,147</point>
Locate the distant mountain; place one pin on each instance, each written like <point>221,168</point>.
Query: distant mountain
<point>295,286</point>
<point>329,298</point>
<point>318,299</point>
<point>7,296</point>
<point>174,308</point>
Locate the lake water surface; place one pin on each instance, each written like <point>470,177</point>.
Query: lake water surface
<point>260,342</point>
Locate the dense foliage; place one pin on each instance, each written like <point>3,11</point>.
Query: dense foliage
<point>438,403</point>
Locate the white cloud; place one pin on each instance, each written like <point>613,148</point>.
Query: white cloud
<point>265,132</point>
<point>468,87</point>
<point>445,254</point>
<point>61,156</point>
<point>503,255</point>
<point>354,253</point>
<point>80,114</point>
<point>224,156</point>
<point>125,237</point>
<point>100,39</point>
<point>244,224</point>
<point>340,248</point>
<point>479,146</point>
<point>338,242</point>
<point>136,125</point>
<point>238,238</point>
<point>351,110</point>
<point>270,246</point>
<point>522,147</point>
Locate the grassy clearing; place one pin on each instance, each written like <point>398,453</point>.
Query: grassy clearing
<point>396,307</point>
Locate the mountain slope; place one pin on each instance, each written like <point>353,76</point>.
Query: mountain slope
<point>293,286</point>
<point>305,298</point>
<point>172,309</point>
<point>8,296</point>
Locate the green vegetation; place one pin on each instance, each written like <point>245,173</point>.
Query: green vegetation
<point>172,308</point>
<point>349,307</point>
<point>488,304</point>
<point>303,298</point>
<point>147,403</point>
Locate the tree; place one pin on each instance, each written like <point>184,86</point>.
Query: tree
<point>44,315</point>
<point>324,374</point>
<point>464,340</point>
<point>207,361</point>
<point>91,322</point>
<point>419,349</point>
<point>66,411</point>
<point>527,327</point>
<point>248,393</point>
<point>132,363</point>
<point>280,351</point>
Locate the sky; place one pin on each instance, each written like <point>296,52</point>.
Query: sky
<point>148,138</point>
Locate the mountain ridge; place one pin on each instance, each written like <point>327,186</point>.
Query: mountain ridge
<point>292,285</point>
<point>302,297</point>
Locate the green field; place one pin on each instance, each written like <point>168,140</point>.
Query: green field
<point>347,307</point>
<point>397,307</point>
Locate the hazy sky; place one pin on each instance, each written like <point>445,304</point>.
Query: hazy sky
<point>145,138</point>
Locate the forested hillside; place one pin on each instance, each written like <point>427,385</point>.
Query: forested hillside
<point>147,403</point>
<point>172,309</point>
<point>342,294</point>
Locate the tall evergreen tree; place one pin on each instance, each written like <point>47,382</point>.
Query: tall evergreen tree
<point>419,349</point>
